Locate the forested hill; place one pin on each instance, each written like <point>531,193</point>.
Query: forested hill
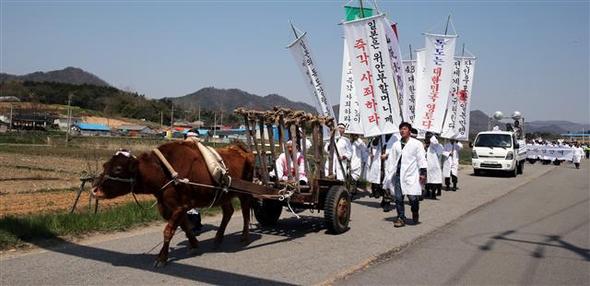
<point>70,75</point>
<point>105,99</point>
<point>227,100</point>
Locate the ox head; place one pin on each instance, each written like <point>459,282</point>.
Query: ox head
<point>118,177</point>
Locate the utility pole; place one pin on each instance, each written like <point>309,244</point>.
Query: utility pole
<point>10,126</point>
<point>161,119</point>
<point>172,117</point>
<point>69,118</point>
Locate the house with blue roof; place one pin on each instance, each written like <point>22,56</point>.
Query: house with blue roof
<point>91,129</point>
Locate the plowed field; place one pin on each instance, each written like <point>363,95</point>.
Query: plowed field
<point>38,184</point>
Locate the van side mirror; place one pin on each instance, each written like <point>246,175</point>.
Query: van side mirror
<point>516,145</point>
<point>470,144</point>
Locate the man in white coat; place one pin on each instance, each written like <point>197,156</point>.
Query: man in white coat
<point>434,152</point>
<point>379,150</point>
<point>342,156</point>
<point>357,159</point>
<point>406,173</point>
<point>578,153</point>
<point>451,164</point>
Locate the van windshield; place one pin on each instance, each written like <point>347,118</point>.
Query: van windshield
<point>493,140</point>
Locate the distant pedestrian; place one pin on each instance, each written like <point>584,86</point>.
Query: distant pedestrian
<point>406,173</point>
<point>578,153</point>
<point>451,164</point>
<point>434,152</point>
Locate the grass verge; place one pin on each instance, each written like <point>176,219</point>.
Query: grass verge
<point>23,230</point>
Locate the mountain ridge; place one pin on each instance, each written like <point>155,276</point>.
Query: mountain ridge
<point>69,75</point>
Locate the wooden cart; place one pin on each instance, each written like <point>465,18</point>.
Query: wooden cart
<point>322,191</point>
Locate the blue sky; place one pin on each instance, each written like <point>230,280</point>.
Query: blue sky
<point>533,56</point>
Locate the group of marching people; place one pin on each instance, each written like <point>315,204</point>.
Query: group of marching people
<point>398,165</point>
<point>576,148</point>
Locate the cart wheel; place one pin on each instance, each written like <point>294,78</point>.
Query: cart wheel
<point>267,212</point>
<point>337,209</point>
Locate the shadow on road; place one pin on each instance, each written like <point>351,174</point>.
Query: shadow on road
<point>541,240</point>
<point>290,228</point>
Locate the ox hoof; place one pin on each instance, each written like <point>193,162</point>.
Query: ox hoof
<point>159,264</point>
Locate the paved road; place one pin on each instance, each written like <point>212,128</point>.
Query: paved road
<point>538,234</point>
<point>297,252</point>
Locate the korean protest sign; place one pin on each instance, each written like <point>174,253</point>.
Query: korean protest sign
<point>373,75</point>
<point>432,98</point>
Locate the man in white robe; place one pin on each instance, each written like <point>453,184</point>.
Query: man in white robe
<point>283,165</point>
<point>406,173</point>
<point>358,155</point>
<point>342,157</point>
<point>451,164</point>
<point>578,153</point>
<point>434,152</point>
<point>379,150</point>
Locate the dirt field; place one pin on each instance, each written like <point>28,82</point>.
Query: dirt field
<point>39,184</point>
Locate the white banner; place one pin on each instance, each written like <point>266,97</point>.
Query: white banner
<point>543,152</point>
<point>420,83</point>
<point>350,113</point>
<point>456,124</point>
<point>450,129</point>
<point>409,101</point>
<point>431,105</point>
<point>373,76</point>
<point>302,55</point>
<point>395,55</point>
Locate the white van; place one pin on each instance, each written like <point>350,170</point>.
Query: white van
<point>498,150</point>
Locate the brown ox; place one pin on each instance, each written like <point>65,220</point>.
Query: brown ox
<point>147,175</point>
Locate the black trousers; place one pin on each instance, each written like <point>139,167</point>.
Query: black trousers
<point>454,179</point>
<point>433,190</point>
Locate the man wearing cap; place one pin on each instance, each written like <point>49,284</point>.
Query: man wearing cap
<point>344,153</point>
<point>283,167</point>
<point>406,173</point>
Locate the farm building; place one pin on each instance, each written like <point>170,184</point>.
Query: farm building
<point>91,129</point>
<point>135,130</point>
<point>32,121</point>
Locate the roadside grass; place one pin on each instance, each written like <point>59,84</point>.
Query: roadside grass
<point>19,231</point>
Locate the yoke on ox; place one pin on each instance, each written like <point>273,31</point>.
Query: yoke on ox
<point>177,175</point>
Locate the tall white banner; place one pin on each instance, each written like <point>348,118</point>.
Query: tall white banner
<point>409,101</point>
<point>431,105</point>
<point>302,55</point>
<point>373,75</point>
<point>350,113</point>
<point>395,55</point>
<point>456,124</point>
<point>420,83</point>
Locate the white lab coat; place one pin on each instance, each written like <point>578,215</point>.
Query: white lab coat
<point>344,150</point>
<point>413,159</point>
<point>374,160</point>
<point>433,158</point>
<point>451,161</point>
<point>357,159</point>
<point>578,153</point>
